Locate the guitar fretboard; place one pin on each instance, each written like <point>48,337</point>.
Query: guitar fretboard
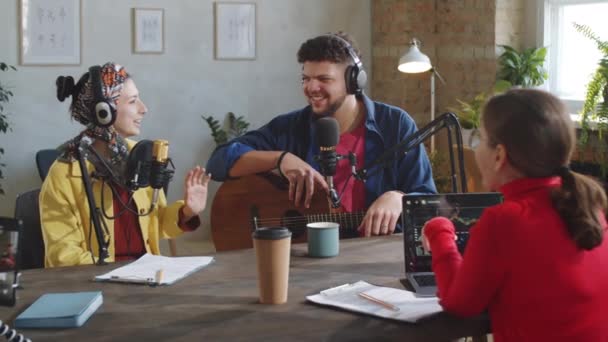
<point>346,220</point>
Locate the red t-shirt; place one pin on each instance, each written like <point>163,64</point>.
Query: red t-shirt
<point>353,195</point>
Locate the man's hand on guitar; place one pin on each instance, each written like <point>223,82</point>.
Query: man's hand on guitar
<point>381,217</point>
<point>302,179</point>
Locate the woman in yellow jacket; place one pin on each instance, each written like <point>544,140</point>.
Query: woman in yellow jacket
<point>107,102</point>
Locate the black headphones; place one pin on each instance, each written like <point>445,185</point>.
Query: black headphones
<point>355,76</point>
<point>104,113</point>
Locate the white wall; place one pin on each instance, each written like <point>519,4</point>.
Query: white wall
<point>177,86</point>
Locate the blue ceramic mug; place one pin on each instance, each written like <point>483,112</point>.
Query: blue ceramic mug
<point>323,239</point>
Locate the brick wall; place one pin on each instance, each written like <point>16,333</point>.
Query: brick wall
<point>510,23</point>
<point>458,36</point>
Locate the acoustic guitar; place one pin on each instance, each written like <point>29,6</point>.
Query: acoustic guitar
<point>244,204</point>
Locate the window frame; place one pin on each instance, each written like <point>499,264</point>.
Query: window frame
<point>548,30</point>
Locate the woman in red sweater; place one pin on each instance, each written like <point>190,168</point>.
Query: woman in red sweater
<point>539,261</point>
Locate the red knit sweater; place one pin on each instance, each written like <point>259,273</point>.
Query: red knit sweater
<point>521,265</point>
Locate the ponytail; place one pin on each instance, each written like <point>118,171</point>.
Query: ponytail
<point>579,202</point>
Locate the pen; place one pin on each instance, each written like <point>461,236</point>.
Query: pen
<point>378,301</point>
<point>158,277</point>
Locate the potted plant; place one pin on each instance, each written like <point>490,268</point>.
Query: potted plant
<point>524,68</point>
<point>232,127</point>
<point>5,96</point>
<point>595,106</point>
<point>469,113</point>
<point>469,116</point>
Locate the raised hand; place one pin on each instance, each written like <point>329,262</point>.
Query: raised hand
<point>195,192</point>
<point>302,179</point>
<point>381,217</point>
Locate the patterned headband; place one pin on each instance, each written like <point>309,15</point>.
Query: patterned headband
<point>113,76</point>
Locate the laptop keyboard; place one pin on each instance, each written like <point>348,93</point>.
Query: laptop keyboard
<point>425,280</point>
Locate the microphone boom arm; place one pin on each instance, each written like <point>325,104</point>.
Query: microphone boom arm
<point>103,244</point>
<point>446,120</point>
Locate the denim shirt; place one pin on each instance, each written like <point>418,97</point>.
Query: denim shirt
<point>385,127</point>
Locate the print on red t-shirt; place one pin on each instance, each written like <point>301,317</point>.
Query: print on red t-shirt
<point>353,195</point>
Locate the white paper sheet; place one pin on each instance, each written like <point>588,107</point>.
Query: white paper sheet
<point>147,269</point>
<point>410,307</point>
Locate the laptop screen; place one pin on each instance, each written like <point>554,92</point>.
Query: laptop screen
<point>462,209</point>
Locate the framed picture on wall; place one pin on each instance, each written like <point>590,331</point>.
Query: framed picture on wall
<point>148,30</point>
<point>49,32</point>
<point>235,24</point>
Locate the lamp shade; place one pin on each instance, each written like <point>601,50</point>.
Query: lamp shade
<point>414,61</point>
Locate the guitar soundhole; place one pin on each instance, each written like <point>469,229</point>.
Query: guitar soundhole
<point>295,222</point>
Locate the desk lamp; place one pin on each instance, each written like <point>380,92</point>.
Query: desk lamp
<point>413,62</point>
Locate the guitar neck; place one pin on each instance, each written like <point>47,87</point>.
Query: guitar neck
<point>347,221</point>
<point>247,203</point>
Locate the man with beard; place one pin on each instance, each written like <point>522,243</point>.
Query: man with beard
<point>332,81</point>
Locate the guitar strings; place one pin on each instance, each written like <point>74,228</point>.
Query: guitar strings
<point>340,217</point>
<point>312,219</point>
<point>300,221</point>
<point>295,220</point>
<point>315,217</point>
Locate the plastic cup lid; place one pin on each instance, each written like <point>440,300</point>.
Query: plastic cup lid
<point>271,233</point>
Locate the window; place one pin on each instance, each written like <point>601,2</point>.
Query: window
<point>572,57</point>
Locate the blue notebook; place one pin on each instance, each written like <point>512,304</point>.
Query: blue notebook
<point>60,310</point>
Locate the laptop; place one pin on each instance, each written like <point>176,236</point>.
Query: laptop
<point>462,209</point>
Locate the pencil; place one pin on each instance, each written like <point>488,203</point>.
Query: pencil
<point>378,301</point>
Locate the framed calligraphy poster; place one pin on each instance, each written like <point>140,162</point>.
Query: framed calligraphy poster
<point>49,32</point>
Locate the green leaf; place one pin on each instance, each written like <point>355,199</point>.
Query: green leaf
<point>234,127</point>
<point>5,96</point>
<point>598,80</point>
<point>587,32</point>
<point>523,69</point>
<point>501,86</point>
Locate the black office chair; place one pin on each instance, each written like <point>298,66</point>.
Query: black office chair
<point>44,160</point>
<point>9,258</point>
<point>31,245</point>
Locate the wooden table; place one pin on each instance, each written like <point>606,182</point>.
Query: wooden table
<point>220,302</point>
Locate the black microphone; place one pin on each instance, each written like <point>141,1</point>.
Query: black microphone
<point>147,166</point>
<point>138,165</point>
<point>328,135</point>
